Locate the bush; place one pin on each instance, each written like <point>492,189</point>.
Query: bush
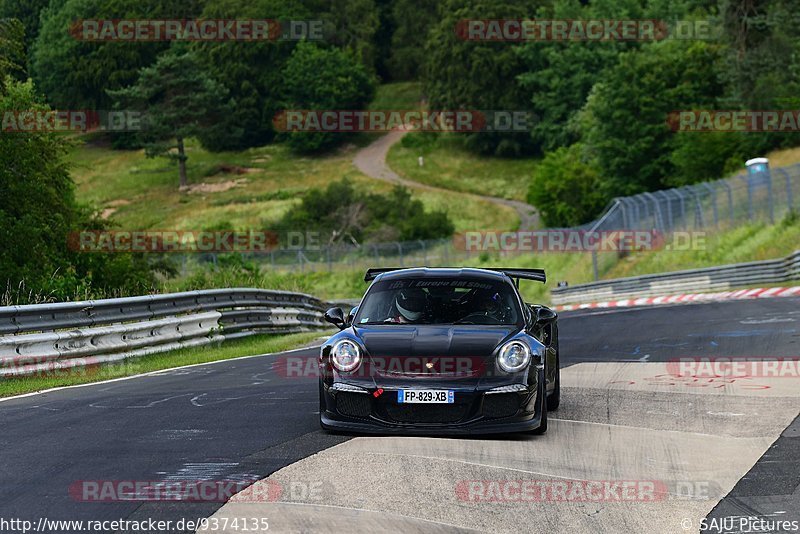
<point>324,79</point>
<point>37,213</point>
<point>341,214</point>
<point>700,157</point>
<point>566,189</point>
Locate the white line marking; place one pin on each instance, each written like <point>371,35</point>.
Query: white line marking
<point>151,373</point>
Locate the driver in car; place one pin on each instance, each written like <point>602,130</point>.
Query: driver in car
<point>409,306</point>
<point>486,303</point>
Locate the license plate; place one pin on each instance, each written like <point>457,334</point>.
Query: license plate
<point>425,396</point>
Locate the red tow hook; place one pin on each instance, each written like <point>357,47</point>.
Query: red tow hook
<point>377,393</point>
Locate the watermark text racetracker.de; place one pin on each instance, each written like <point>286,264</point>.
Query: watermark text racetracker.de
<point>455,121</point>
<point>79,120</point>
<point>521,30</point>
<point>191,241</point>
<point>735,367</point>
<point>150,30</point>
<point>568,240</point>
<point>161,241</point>
<point>531,491</point>
<point>708,120</point>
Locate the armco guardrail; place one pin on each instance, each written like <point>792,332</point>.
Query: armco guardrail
<point>44,337</point>
<point>707,279</point>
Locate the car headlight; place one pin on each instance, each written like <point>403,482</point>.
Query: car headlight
<point>345,356</point>
<point>514,356</point>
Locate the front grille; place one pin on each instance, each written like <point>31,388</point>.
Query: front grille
<point>353,404</point>
<point>426,413</point>
<point>500,405</point>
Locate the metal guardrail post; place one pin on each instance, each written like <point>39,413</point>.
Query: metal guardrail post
<point>713,202</point>
<point>615,206</point>
<point>749,183</point>
<point>46,337</point>
<point>646,208</point>
<point>626,223</point>
<point>723,278</point>
<point>668,209</point>
<point>658,218</point>
<point>789,201</point>
<point>727,185</point>
<point>698,213</point>
<point>769,196</point>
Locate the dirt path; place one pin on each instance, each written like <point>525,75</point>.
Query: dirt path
<point>371,160</point>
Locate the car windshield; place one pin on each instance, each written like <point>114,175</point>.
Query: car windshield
<point>439,301</point>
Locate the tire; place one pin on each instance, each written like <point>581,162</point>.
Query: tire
<point>322,407</point>
<point>554,399</point>
<point>543,426</point>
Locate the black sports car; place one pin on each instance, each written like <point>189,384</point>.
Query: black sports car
<point>446,351</point>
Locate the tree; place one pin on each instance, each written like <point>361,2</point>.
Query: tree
<point>37,204</point>
<point>317,78</point>
<point>252,72</point>
<point>27,12</point>
<point>761,63</point>
<point>383,38</point>
<point>179,100</point>
<point>461,74</point>
<point>355,23</point>
<point>38,211</point>
<point>413,19</point>
<point>559,79</point>
<point>74,73</point>
<point>701,157</point>
<point>12,48</point>
<point>566,188</point>
<point>624,121</point>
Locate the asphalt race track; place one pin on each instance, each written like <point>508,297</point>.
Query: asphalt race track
<point>695,449</point>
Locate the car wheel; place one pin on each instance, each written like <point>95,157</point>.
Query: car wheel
<point>554,399</point>
<point>543,426</point>
<point>321,406</point>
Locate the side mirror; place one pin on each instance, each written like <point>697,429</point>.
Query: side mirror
<point>335,316</point>
<point>545,315</point>
<point>352,315</point>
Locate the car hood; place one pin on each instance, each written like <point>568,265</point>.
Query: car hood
<point>399,353</point>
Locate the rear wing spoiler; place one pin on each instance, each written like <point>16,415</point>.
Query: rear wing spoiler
<point>373,273</point>
<point>514,273</point>
<point>537,275</point>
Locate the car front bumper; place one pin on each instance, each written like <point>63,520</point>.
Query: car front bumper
<point>473,411</point>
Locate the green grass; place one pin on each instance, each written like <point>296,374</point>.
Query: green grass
<point>263,183</point>
<point>397,96</point>
<point>142,194</point>
<point>747,243</point>
<point>447,164</point>
<point>260,344</point>
<point>341,283</point>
